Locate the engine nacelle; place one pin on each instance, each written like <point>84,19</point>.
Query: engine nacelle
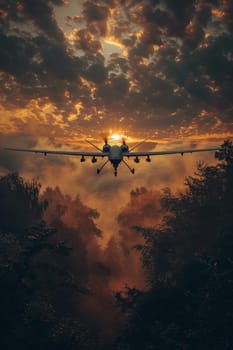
<point>124,148</point>
<point>106,148</point>
<point>136,159</point>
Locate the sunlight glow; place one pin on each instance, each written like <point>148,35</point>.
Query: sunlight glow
<point>116,137</point>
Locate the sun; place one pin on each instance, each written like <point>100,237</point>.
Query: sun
<point>116,137</point>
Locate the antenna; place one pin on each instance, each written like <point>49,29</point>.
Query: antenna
<point>92,144</point>
<point>138,144</point>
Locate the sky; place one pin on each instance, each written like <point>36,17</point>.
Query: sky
<point>159,70</point>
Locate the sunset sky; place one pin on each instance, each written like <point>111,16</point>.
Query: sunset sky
<point>75,70</point>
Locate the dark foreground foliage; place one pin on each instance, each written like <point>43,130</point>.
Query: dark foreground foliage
<point>34,289</point>
<point>189,266</point>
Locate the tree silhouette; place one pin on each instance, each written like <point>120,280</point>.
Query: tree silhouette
<point>35,289</point>
<point>19,203</point>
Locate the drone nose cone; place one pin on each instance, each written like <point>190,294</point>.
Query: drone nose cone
<point>115,153</point>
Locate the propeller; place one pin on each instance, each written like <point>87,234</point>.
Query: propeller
<point>105,137</point>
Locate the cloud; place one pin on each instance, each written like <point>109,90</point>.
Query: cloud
<point>228,14</point>
<point>143,209</point>
<point>10,161</point>
<point>96,17</point>
<point>101,269</point>
<point>164,76</point>
<point>42,15</point>
<point>83,40</point>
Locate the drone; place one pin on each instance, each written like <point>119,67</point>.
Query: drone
<point>115,154</point>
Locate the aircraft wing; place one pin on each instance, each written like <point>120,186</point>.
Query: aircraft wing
<point>66,153</point>
<point>159,153</point>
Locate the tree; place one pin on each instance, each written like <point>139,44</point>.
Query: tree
<point>19,203</point>
<point>35,289</point>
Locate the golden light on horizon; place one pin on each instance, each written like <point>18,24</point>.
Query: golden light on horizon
<point>116,137</point>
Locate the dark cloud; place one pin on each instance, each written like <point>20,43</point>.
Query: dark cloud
<point>94,69</point>
<point>179,15</point>
<point>194,33</point>
<point>114,90</point>
<point>36,67</point>
<point>83,41</point>
<point>96,17</point>
<point>11,162</point>
<point>228,13</point>
<point>41,12</point>
<point>173,63</point>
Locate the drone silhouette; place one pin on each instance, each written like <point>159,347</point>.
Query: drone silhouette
<point>115,154</point>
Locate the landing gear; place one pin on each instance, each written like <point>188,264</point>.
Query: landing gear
<point>100,169</point>
<point>130,169</point>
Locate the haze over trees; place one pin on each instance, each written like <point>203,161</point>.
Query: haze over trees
<point>55,290</point>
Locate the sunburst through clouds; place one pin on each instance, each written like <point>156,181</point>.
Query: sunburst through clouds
<point>112,71</point>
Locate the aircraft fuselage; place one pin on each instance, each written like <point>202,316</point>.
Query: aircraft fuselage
<point>115,156</point>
